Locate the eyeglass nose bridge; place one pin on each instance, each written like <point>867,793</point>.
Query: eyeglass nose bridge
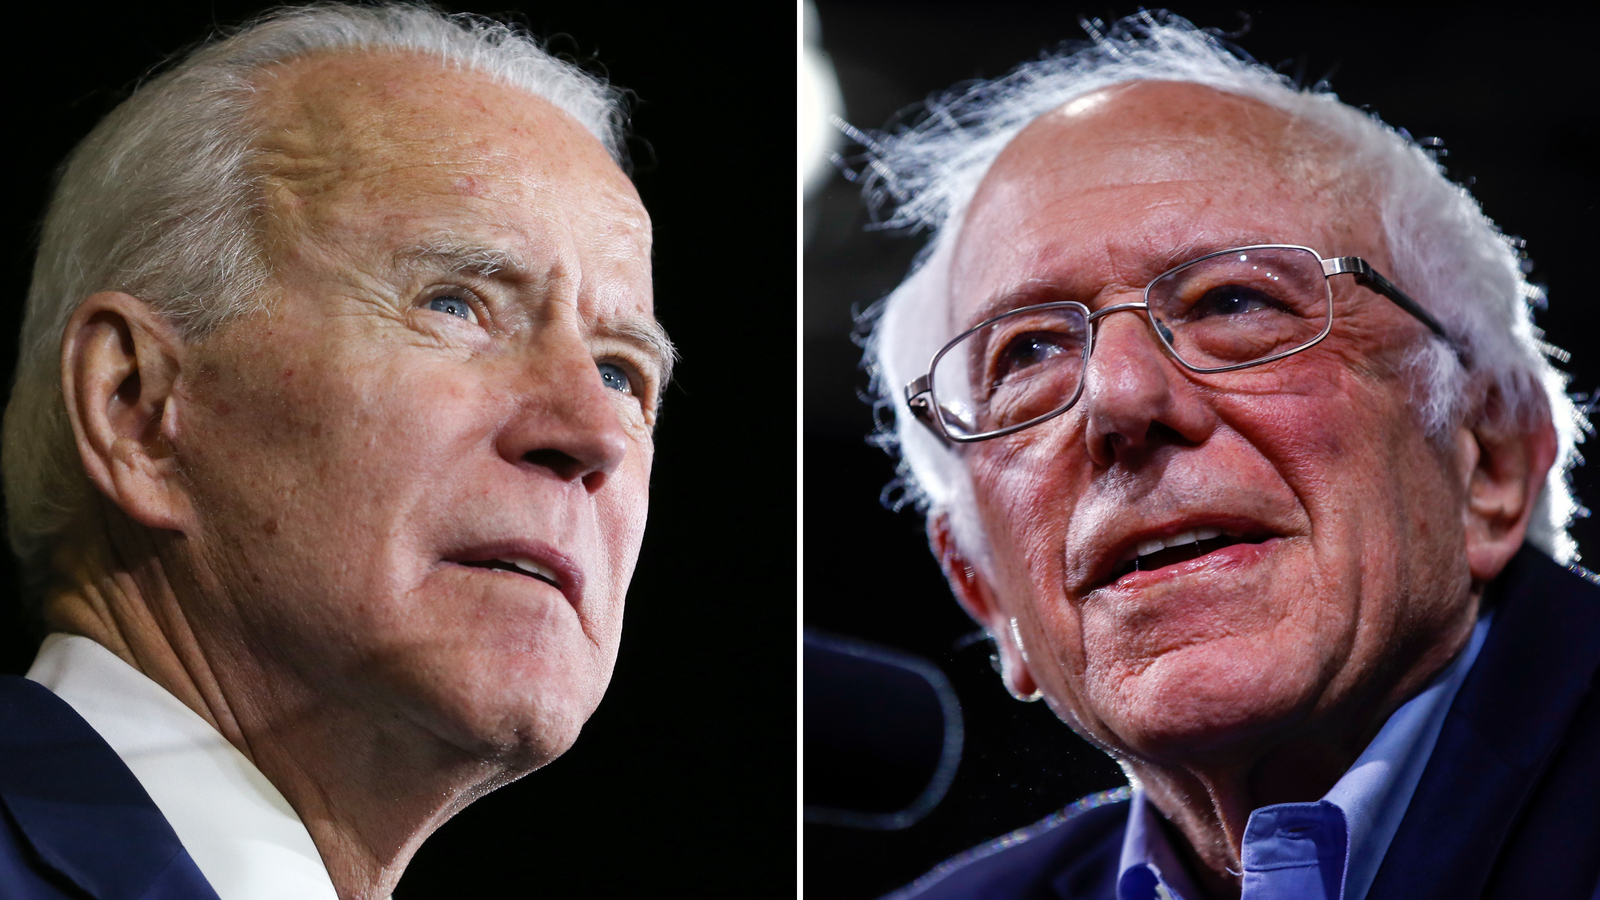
<point>1162,331</point>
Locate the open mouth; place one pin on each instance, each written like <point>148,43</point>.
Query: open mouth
<point>1162,552</point>
<point>519,566</point>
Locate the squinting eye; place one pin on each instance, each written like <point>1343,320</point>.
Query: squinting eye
<point>1028,350</point>
<point>1234,300</point>
<point>615,377</point>
<point>453,306</point>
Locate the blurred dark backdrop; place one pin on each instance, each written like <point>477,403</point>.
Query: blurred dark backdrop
<point>1507,88</point>
<point>685,777</point>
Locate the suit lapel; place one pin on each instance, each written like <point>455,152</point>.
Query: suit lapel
<point>81,808</point>
<point>1506,723</point>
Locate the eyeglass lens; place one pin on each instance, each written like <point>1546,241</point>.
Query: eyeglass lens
<point>1230,309</point>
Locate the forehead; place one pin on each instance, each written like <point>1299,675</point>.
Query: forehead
<point>1119,185</point>
<point>391,149</point>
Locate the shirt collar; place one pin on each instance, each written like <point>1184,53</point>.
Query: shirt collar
<point>240,831</point>
<point>1148,859</point>
<point>1372,795</point>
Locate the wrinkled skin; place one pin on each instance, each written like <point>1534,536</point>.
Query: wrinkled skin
<point>344,448</point>
<point>456,362</point>
<point>1254,674</point>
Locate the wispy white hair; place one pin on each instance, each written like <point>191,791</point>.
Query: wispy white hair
<point>1445,252</point>
<point>161,201</point>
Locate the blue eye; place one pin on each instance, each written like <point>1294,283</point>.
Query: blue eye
<point>614,377</point>
<point>453,306</point>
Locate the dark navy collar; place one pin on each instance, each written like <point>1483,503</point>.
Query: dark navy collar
<point>1506,725</point>
<point>81,808</point>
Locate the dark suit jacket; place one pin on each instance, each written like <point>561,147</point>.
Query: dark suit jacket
<point>1507,808</point>
<point>74,822</point>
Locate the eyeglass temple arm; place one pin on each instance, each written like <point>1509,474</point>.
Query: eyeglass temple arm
<point>1367,276</point>
<point>917,396</point>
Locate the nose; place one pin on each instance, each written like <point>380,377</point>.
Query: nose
<point>1135,398</point>
<point>565,421</point>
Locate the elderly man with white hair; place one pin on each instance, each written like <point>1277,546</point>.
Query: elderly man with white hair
<point>1233,429</point>
<point>328,456</point>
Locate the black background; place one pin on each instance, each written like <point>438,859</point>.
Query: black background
<point>1508,87</point>
<point>684,779</point>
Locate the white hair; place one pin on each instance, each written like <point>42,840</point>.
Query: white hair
<point>1444,251</point>
<point>161,201</point>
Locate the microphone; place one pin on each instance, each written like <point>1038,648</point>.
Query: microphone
<point>883,734</point>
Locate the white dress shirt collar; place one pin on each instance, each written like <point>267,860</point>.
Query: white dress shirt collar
<point>241,832</point>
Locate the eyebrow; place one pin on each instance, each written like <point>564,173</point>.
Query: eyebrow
<point>646,333</point>
<point>1045,289</point>
<point>1029,293</point>
<point>454,255</point>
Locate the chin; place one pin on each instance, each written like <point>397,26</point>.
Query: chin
<point>519,734</point>
<point>1204,700</point>
<point>535,741</point>
<point>521,692</point>
<point>519,712</point>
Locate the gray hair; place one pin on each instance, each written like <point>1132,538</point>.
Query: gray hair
<point>161,201</point>
<point>1445,252</point>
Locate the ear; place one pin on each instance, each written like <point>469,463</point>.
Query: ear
<point>978,599</point>
<point>1505,464</point>
<point>119,362</point>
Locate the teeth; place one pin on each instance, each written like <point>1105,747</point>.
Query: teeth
<point>533,568</point>
<point>1146,548</point>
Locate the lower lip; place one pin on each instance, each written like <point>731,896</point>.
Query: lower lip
<point>1233,556</point>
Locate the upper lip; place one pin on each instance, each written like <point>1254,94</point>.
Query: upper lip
<point>538,559</point>
<point>1119,545</point>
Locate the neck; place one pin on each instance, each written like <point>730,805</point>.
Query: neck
<point>369,785</point>
<point>1208,801</point>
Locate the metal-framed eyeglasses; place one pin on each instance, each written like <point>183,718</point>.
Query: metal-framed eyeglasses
<point>1224,311</point>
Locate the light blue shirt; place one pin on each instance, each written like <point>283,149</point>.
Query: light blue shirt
<point>1327,850</point>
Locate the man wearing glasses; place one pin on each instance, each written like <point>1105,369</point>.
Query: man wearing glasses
<point>1234,432</point>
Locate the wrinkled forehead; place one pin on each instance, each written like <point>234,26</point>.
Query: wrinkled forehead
<point>1133,179</point>
<point>343,132</point>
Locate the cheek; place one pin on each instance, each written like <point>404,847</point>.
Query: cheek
<point>1025,495</point>
<point>1378,495</point>
<point>297,447</point>
<point>1339,438</point>
<point>318,407</point>
<point>1025,503</point>
<point>620,516</point>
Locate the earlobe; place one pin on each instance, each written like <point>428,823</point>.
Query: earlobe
<point>977,597</point>
<point>1506,464</point>
<point>119,364</point>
